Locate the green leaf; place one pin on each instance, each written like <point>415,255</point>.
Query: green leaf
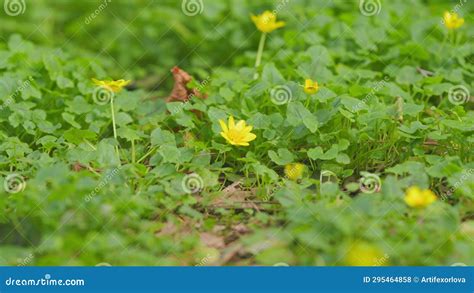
<point>297,114</point>
<point>106,155</point>
<point>283,157</point>
<point>64,82</point>
<point>170,153</point>
<point>122,119</point>
<point>128,133</point>
<point>69,118</point>
<point>315,153</point>
<point>162,137</point>
<point>77,136</point>
<point>353,104</point>
<point>408,75</point>
<point>271,75</point>
<point>226,93</point>
<point>343,158</point>
<point>259,121</point>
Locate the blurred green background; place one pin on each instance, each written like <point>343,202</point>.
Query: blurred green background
<point>142,40</point>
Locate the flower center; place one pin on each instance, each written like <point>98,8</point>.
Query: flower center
<point>236,135</point>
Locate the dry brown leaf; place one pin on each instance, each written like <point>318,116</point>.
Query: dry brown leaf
<point>212,240</point>
<point>232,188</point>
<point>180,92</point>
<point>240,228</point>
<point>424,72</point>
<point>76,167</point>
<point>218,228</point>
<point>168,229</point>
<point>184,227</point>
<point>235,197</point>
<point>229,253</point>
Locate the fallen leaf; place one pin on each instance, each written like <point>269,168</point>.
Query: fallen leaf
<point>168,229</point>
<point>180,92</point>
<point>240,228</point>
<point>212,240</point>
<point>229,253</point>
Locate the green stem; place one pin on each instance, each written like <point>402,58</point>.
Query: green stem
<point>308,100</point>
<point>452,37</point>
<point>146,155</point>
<point>261,44</point>
<point>133,151</point>
<point>112,110</point>
<point>90,144</point>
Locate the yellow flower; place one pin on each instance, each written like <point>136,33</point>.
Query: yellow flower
<point>239,134</point>
<point>266,22</point>
<point>294,171</point>
<point>365,254</point>
<point>310,87</point>
<point>113,85</point>
<point>452,20</point>
<point>417,198</point>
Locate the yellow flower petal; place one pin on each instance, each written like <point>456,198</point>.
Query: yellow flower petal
<point>310,86</point>
<point>223,126</point>
<point>279,24</point>
<point>452,20</point>
<point>231,122</point>
<point>294,171</point>
<point>240,125</point>
<point>364,254</point>
<point>239,134</point>
<point>417,198</point>
<point>250,137</point>
<point>113,85</point>
<point>242,144</point>
<point>266,22</point>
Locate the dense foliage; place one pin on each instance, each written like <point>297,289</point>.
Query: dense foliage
<point>393,110</point>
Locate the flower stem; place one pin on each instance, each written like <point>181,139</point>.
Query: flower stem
<point>261,44</point>
<point>133,152</point>
<point>90,144</point>
<point>146,155</point>
<point>112,110</point>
